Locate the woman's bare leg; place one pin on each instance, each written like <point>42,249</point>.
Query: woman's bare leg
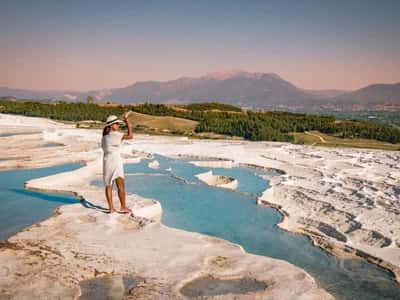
<point>109,198</point>
<point>121,194</point>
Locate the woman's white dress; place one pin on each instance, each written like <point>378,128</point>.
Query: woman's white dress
<point>112,161</point>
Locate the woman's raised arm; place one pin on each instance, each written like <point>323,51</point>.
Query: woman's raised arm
<point>128,135</point>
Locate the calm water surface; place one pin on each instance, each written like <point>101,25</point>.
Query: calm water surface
<point>193,206</point>
<point>7,134</point>
<point>19,207</point>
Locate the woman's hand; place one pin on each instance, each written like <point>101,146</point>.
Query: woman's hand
<point>125,117</point>
<point>129,135</point>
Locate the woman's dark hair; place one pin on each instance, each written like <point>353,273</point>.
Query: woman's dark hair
<point>106,130</point>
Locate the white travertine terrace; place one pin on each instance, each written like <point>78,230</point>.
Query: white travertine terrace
<point>218,180</point>
<point>154,164</point>
<point>346,200</point>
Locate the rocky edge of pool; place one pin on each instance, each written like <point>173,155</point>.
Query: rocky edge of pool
<point>138,257</point>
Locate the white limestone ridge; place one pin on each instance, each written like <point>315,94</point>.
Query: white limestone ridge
<point>218,180</point>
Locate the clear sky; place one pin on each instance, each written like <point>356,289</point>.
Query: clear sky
<point>81,45</point>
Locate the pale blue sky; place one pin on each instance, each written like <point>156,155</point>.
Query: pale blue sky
<point>101,44</point>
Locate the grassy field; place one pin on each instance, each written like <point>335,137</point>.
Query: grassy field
<point>162,124</point>
<point>148,124</point>
<point>320,139</point>
<point>173,125</point>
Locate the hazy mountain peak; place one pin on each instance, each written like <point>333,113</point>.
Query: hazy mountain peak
<point>237,87</point>
<point>223,75</point>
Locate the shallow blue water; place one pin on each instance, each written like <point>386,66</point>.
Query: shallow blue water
<point>7,134</point>
<point>19,207</point>
<point>190,205</point>
<point>51,144</point>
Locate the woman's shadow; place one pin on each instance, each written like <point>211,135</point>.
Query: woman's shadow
<point>90,205</point>
<point>59,198</point>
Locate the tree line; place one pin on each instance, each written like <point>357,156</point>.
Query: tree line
<point>255,126</point>
<point>261,126</point>
<point>206,106</point>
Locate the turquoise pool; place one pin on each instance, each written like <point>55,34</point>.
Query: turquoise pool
<point>19,207</point>
<point>7,134</point>
<point>233,215</point>
<point>191,205</point>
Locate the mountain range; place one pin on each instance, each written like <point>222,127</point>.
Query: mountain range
<point>244,89</point>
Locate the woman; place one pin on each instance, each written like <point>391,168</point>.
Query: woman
<point>113,169</point>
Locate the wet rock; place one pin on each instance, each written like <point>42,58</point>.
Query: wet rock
<point>370,238</point>
<point>209,286</point>
<point>324,228</point>
<point>331,232</point>
<point>108,287</point>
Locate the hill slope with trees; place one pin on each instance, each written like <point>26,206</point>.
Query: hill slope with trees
<point>255,126</point>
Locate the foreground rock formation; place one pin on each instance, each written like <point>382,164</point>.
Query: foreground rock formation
<point>82,251</point>
<point>346,200</point>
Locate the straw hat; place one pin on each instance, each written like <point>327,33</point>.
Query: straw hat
<point>112,120</point>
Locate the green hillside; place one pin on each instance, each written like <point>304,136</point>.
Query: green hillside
<point>211,118</point>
